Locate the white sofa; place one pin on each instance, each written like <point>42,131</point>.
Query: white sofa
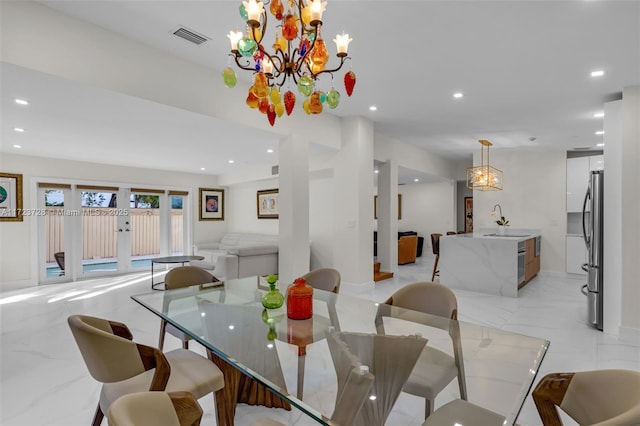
<point>239,255</point>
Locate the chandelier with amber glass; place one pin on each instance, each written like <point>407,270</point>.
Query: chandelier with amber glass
<point>298,57</point>
<point>484,177</point>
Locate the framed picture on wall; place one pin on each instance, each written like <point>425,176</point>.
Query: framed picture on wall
<point>468,214</point>
<point>267,204</point>
<point>375,206</point>
<point>211,204</point>
<point>10,197</point>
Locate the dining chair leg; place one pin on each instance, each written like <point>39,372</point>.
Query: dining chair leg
<point>428,408</point>
<point>163,328</point>
<point>97,418</point>
<point>435,268</point>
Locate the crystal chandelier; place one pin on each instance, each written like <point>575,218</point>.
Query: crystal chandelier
<point>484,177</point>
<point>298,56</point>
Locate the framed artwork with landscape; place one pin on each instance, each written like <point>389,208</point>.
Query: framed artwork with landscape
<point>211,204</point>
<point>10,197</point>
<point>267,204</point>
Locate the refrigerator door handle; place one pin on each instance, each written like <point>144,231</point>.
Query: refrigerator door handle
<point>584,216</point>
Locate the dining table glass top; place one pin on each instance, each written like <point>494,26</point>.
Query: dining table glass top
<point>293,358</point>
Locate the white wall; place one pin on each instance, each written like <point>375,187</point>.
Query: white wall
<point>427,208</point>
<point>17,253</point>
<point>630,321</point>
<point>242,213</point>
<point>321,219</point>
<point>412,157</point>
<point>612,273</point>
<point>534,197</point>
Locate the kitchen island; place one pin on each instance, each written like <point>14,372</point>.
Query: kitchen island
<point>490,263</point>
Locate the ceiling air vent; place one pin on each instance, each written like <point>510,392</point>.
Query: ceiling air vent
<point>190,35</point>
<point>275,170</point>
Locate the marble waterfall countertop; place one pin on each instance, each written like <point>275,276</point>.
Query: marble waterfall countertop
<point>492,233</point>
<point>483,261</point>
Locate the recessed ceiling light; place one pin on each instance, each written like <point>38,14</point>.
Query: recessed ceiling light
<point>22,102</point>
<point>600,132</point>
<point>598,114</point>
<point>18,129</point>
<point>231,161</point>
<point>600,144</point>
<point>203,169</point>
<point>458,95</point>
<point>16,146</point>
<point>373,108</point>
<point>597,73</point>
<point>416,180</point>
<point>270,151</point>
<point>375,171</point>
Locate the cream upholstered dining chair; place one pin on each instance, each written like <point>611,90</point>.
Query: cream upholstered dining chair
<point>354,385</point>
<point>598,397</point>
<point>327,279</point>
<point>179,277</point>
<point>435,369</point>
<point>124,367</point>
<point>155,408</point>
<point>390,359</point>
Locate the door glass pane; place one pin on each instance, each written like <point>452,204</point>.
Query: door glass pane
<point>99,231</point>
<point>54,232</point>
<point>145,229</point>
<point>177,225</point>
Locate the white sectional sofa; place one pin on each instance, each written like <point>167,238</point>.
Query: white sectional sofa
<point>239,255</point>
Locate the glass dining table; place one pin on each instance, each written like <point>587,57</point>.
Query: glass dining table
<point>271,360</point>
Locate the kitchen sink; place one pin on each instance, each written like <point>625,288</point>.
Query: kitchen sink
<point>507,235</point>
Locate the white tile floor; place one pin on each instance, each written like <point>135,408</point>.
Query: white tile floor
<point>45,382</point>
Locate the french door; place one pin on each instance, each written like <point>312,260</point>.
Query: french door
<point>92,230</point>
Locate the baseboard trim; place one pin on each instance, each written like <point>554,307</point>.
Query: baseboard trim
<point>8,286</point>
<point>629,334</point>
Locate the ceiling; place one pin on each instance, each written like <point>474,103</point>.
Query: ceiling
<point>523,67</point>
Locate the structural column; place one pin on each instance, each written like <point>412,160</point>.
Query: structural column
<point>388,216</point>
<point>353,202</point>
<point>293,199</point>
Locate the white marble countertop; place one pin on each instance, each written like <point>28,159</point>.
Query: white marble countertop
<point>485,261</point>
<point>509,235</point>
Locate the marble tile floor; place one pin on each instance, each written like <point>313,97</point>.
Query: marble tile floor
<point>43,379</point>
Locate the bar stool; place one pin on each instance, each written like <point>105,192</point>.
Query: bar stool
<point>435,244</point>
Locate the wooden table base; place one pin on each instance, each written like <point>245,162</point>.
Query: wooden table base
<point>240,388</point>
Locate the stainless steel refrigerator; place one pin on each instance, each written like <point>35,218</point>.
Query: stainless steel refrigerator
<point>592,228</point>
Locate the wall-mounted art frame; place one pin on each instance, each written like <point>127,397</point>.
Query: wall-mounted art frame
<point>10,197</point>
<point>375,206</point>
<point>211,203</point>
<point>468,214</point>
<point>267,204</point>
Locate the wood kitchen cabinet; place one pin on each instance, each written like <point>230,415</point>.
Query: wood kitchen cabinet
<point>531,261</point>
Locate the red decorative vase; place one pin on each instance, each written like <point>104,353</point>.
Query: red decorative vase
<point>300,300</point>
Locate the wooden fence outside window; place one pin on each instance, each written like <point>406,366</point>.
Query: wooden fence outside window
<point>100,231</point>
